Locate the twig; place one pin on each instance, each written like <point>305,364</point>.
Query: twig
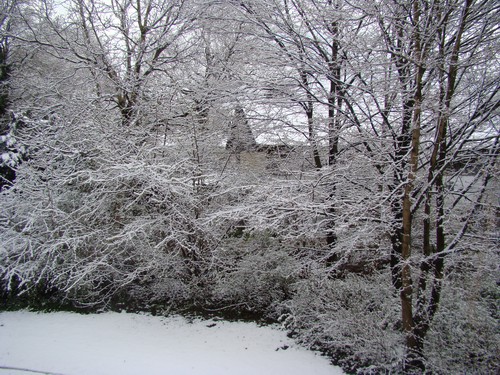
<point>29,370</point>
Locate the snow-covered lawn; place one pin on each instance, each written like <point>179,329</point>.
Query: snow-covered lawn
<point>122,344</point>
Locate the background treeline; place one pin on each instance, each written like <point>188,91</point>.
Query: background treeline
<point>329,164</point>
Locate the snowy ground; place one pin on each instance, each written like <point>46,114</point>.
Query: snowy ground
<point>123,344</point>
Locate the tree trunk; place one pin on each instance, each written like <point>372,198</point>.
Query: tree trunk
<point>309,109</point>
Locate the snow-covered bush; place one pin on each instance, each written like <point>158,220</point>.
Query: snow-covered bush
<point>349,318</point>
<point>357,321</point>
<point>465,335</point>
<point>12,151</point>
<point>253,273</point>
<point>90,221</point>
